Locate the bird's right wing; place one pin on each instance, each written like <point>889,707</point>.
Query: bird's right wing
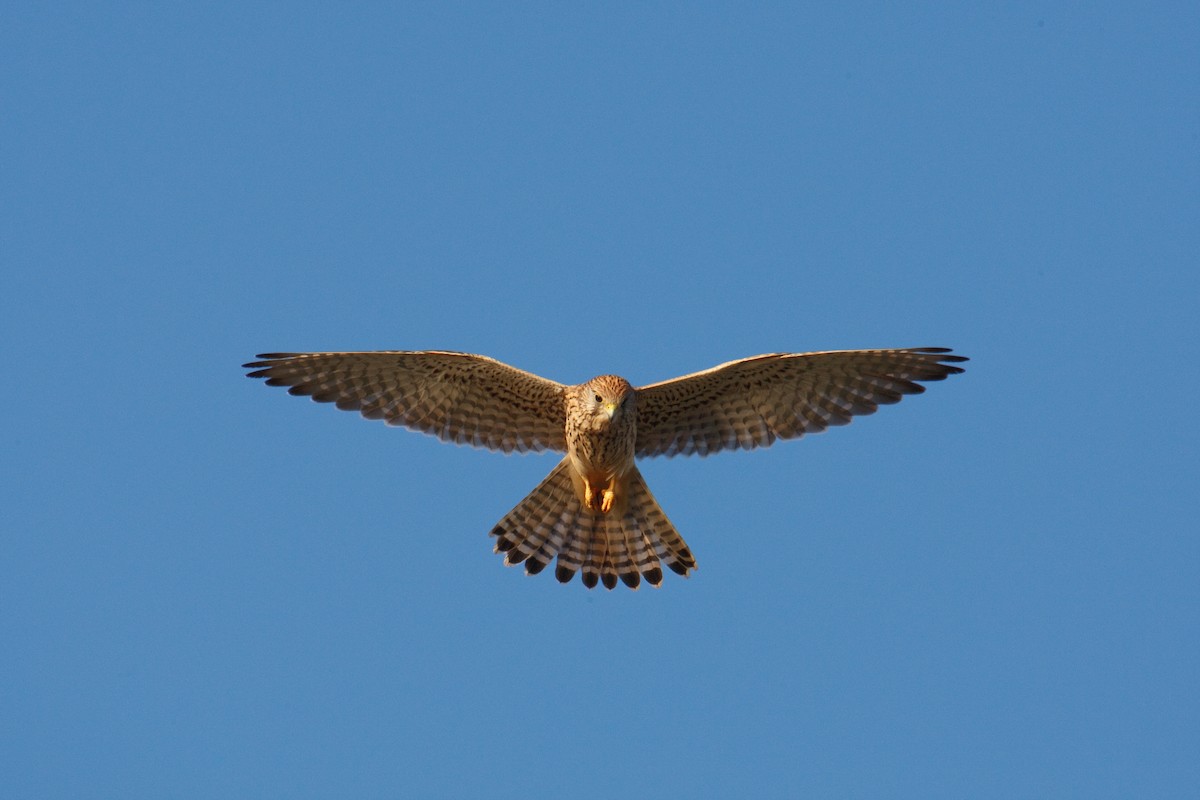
<point>751,403</point>
<point>458,397</point>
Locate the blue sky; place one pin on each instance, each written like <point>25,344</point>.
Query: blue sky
<point>211,589</point>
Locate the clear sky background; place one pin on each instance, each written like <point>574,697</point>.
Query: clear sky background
<point>211,589</point>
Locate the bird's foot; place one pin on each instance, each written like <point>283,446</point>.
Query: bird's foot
<point>598,499</point>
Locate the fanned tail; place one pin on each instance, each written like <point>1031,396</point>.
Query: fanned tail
<point>629,545</point>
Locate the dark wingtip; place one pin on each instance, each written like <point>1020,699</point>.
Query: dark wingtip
<point>533,566</point>
<point>563,574</point>
<point>610,580</point>
<point>631,579</point>
<point>945,354</point>
<point>267,360</point>
<point>653,576</point>
<point>590,579</point>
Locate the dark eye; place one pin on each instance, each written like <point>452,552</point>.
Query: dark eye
<point>599,399</point>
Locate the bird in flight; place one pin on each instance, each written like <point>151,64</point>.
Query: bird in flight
<point>593,513</point>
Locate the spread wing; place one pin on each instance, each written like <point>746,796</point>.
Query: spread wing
<point>751,403</point>
<point>460,398</point>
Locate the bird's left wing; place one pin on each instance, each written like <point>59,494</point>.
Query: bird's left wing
<point>458,397</point>
<point>751,403</point>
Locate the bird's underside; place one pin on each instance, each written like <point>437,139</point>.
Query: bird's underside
<point>593,513</point>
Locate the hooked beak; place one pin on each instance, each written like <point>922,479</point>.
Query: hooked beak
<point>610,409</point>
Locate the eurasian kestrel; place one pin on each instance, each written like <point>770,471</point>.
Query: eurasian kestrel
<point>593,511</point>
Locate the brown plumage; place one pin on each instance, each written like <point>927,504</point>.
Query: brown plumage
<point>594,512</point>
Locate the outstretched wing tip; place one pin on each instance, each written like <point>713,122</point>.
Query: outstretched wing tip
<point>458,397</point>
<point>945,353</point>
<point>746,404</point>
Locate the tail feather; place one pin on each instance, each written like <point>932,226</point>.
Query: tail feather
<point>584,546</point>
<point>629,546</point>
<point>594,545</point>
<point>662,541</point>
<point>559,525</point>
<point>540,523</point>
<point>627,565</point>
<point>556,522</point>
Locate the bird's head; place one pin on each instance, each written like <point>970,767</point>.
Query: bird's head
<point>607,398</point>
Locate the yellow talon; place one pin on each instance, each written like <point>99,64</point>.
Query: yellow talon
<point>601,500</point>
